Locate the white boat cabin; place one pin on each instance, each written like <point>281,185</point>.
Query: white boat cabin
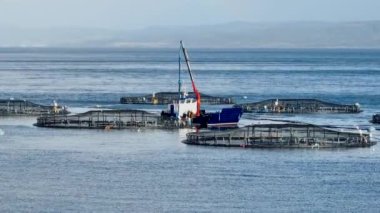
<point>186,106</point>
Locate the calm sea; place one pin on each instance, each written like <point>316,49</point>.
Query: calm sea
<point>54,170</point>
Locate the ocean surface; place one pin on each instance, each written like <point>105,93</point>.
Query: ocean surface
<point>54,170</point>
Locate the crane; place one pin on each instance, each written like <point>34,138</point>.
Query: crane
<point>196,92</point>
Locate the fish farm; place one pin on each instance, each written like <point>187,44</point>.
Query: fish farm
<point>108,119</point>
<point>184,111</point>
<point>285,135</point>
<point>298,106</point>
<point>169,97</point>
<point>12,107</point>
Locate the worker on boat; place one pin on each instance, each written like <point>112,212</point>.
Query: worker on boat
<point>55,107</point>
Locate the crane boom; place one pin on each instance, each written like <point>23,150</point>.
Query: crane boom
<point>196,92</point>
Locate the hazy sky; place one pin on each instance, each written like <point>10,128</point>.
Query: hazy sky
<point>130,14</point>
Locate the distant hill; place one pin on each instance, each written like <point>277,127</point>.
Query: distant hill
<point>364,34</point>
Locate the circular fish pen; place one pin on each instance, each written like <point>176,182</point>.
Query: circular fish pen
<point>105,119</point>
<point>288,135</point>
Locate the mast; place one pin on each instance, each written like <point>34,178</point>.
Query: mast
<point>179,74</point>
<point>196,92</point>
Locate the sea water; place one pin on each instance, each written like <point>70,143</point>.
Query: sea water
<point>142,170</point>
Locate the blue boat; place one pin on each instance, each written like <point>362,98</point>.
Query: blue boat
<point>227,117</point>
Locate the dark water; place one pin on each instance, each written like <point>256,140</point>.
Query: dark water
<point>149,171</point>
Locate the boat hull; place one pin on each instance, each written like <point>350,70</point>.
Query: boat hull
<point>376,119</point>
<point>227,117</point>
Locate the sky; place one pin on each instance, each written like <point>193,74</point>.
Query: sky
<point>135,14</point>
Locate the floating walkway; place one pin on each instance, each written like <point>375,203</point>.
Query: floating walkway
<point>107,119</point>
<point>298,106</point>
<point>10,107</point>
<point>169,97</point>
<point>288,135</point>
